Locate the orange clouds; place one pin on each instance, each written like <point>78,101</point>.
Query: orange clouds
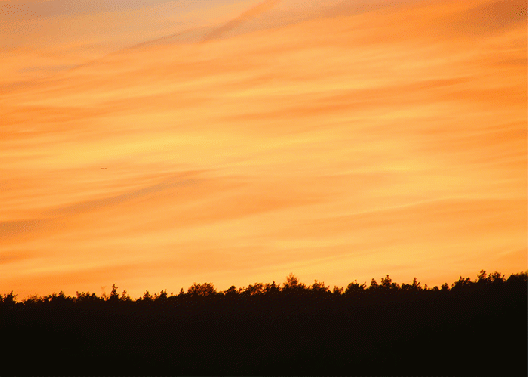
<point>350,144</point>
<point>244,17</point>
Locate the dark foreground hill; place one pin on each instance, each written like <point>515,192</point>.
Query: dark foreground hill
<point>471,328</point>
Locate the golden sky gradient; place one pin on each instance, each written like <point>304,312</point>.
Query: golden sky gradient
<point>244,140</point>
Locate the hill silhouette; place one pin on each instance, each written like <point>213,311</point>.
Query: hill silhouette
<point>471,327</point>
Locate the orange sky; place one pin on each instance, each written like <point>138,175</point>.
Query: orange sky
<point>245,140</point>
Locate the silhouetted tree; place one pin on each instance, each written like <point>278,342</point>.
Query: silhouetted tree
<point>114,296</point>
<point>255,289</point>
<point>496,278</point>
<point>125,297</point>
<point>482,277</point>
<point>8,300</point>
<point>354,288</point>
<point>319,287</point>
<point>518,279</point>
<point>461,284</point>
<point>373,284</point>
<point>415,286</point>
<point>291,282</point>
<point>271,289</point>
<point>387,284</point>
<point>201,290</point>
<point>338,291</point>
<point>161,297</point>
<point>147,297</point>
<point>231,292</point>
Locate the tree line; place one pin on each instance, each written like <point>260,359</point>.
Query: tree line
<point>291,286</point>
<point>470,327</point>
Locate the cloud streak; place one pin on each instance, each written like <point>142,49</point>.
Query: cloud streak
<point>244,17</point>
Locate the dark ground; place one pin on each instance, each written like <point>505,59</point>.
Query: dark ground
<point>474,328</point>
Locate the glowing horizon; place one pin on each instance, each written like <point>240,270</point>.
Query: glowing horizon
<point>244,140</point>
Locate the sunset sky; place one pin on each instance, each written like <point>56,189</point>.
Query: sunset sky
<point>242,140</point>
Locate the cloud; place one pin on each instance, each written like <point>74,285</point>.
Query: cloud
<point>96,204</point>
<point>12,257</point>
<point>244,17</point>
<point>489,18</point>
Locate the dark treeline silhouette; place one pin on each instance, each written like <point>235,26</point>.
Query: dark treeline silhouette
<point>471,327</point>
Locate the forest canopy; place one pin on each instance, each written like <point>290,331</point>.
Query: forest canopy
<point>469,327</point>
<point>291,285</point>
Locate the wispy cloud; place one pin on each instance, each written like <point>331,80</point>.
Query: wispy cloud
<point>244,17</point>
